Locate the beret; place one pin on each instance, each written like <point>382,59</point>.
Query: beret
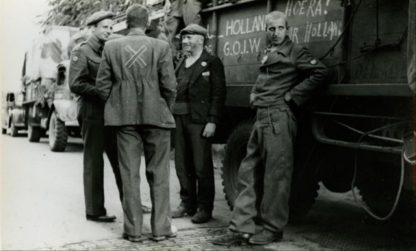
<point>194,29</point>
<point>98,16</point>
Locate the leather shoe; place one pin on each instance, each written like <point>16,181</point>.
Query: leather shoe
<point>172,234</point>
<point>181,211</point>
<point>201,216</point>
<point>265,237</point>
<point>133,238</point>
<point>231,238</point>
<point>101,218</point>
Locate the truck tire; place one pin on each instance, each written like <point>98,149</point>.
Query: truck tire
<point>338,171</point>
<point>234,153</point>
<point>34,133</point>
<point>304,192</point>
<point>13,129</point>
<point>3,130</point>
<point>306,171</point>
<point>58,135</point>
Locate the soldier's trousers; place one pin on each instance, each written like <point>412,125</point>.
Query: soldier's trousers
<point>155,142</point>
<point>193,163</point>
<point>264,177</point>
<point>97,139</point>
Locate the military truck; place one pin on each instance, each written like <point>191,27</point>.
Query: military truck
<point>357,134</point>
<point>50,107</point>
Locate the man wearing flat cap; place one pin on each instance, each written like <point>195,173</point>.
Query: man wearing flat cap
<point>200,100</point>
<point>136,79</point>
<point>85,59</point>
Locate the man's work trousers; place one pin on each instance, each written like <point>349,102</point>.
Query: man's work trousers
<point>193,163</point>
<point>264,177</point>
<point>155,142</point>
<point>97,139</point>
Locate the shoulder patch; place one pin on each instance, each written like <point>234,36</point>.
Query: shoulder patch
<point>314,62</point>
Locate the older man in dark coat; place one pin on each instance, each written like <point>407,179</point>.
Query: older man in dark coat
<point>136,79</point>
<point>200,101</point>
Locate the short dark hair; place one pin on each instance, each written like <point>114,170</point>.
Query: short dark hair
<point>137,16</point>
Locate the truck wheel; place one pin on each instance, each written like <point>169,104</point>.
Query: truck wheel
<point>34,133</point>
<point>234,153</point>
<point>58,135</point>
<point>304,192</point>
<point>338,171</point>
<point>3,130</point>
<point>306,172</point>
<point>13,130</point>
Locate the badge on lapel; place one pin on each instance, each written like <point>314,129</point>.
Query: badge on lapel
<point>206,73</point>
<point>203,64</point>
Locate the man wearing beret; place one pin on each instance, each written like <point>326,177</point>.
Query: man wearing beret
<point>200,100</point>
<point>85,60</point>
<point>289,75</point>
<point>137,80</point>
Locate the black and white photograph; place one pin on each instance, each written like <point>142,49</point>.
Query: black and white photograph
<point>269,125</point>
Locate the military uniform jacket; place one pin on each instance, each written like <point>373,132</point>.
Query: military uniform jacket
<point>83,68</point>
<point>206,93</point>
<point>137,80</point>
<point>291,68</point>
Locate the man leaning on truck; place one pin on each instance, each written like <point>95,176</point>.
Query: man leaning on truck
<point>281,86</point>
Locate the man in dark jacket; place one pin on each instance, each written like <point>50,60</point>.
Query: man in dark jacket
<point>280,87</point>
<point>85,59</point>
<point>201,96</point>
<point>137,80</point>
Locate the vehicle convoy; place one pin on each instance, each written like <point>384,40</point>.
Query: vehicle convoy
<point>50,107</point>
<point>357,133</point>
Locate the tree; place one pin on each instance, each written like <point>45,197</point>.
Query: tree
<point>75,12</point>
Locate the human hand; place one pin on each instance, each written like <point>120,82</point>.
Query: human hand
<point>209,130</point>
<point>252,98</point>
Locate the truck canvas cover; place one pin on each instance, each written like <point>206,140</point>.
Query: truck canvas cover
<point>46,52</point>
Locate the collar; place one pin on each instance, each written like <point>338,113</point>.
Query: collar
<point>283,48</point>
<point>135,32</point>
<point>95,44</point>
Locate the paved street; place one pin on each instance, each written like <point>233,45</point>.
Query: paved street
<point>42,208</point>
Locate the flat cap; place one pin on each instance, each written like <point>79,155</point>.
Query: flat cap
<point>194,29</point>
<point>98,16</point>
